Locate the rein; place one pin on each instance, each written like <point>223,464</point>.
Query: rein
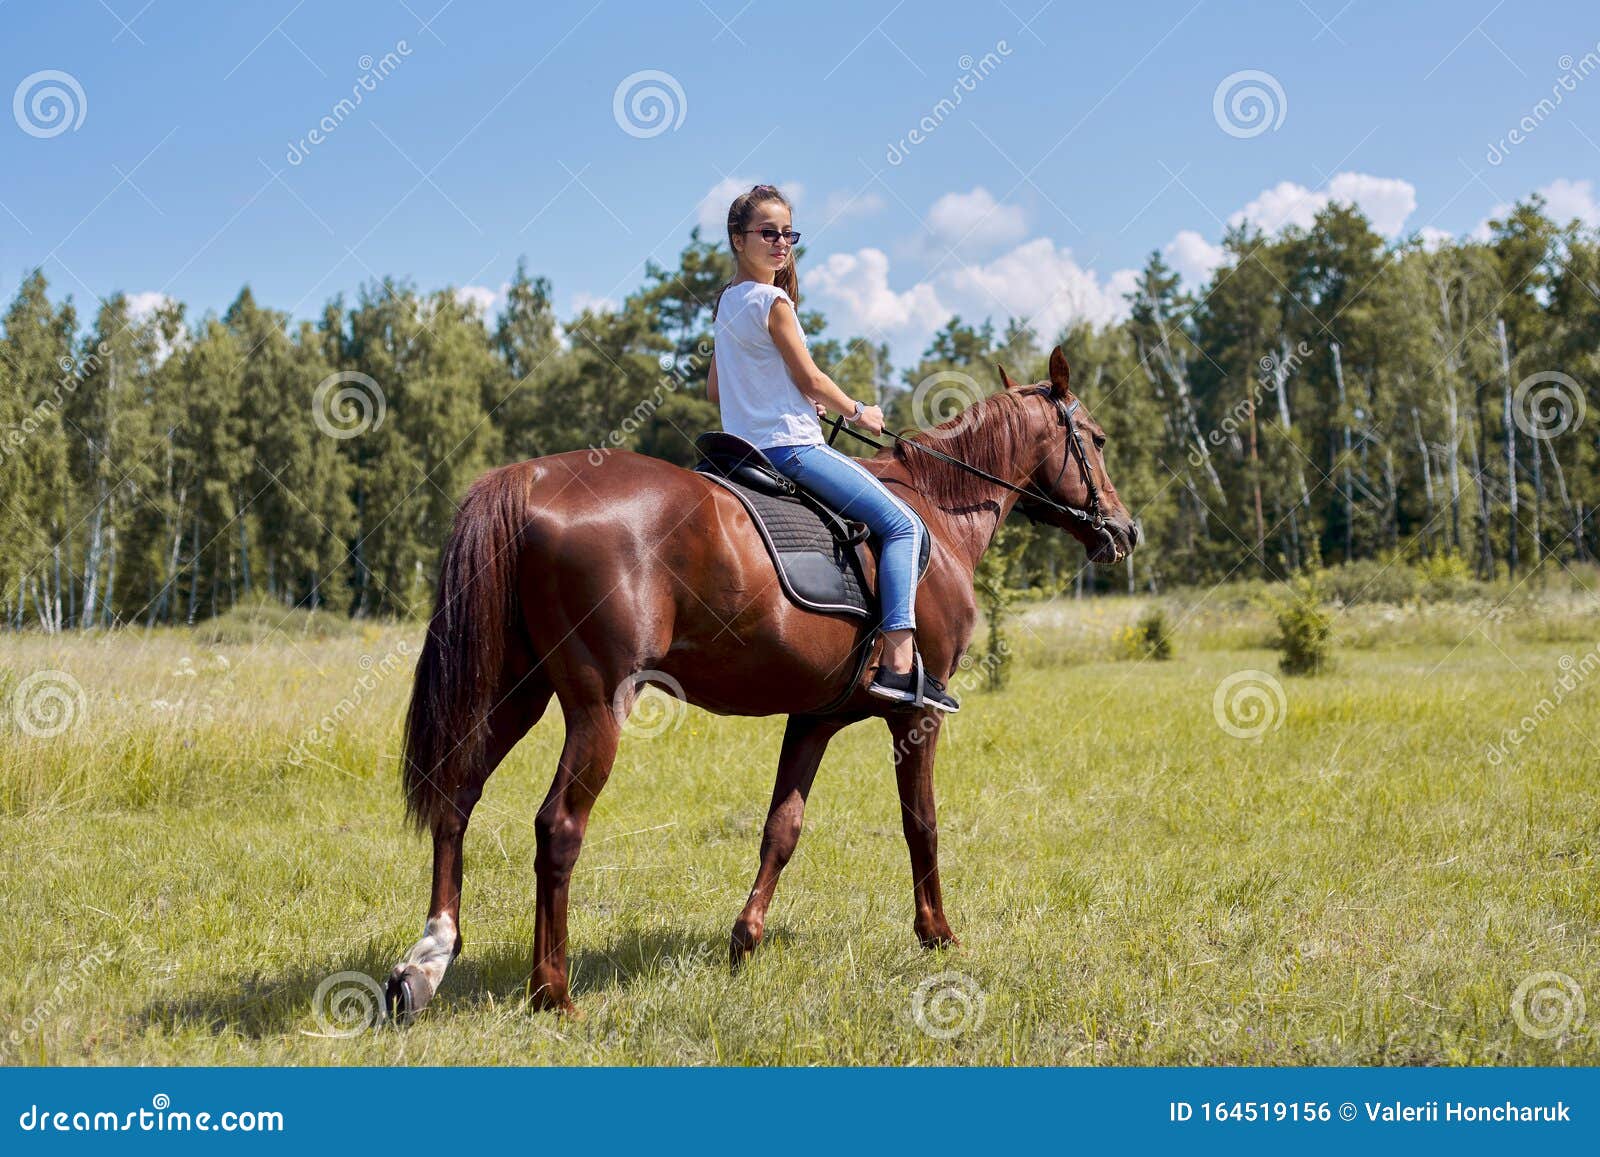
<point>1094,517</point>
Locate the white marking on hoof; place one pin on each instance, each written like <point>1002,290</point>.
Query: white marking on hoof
<point>432,954</point>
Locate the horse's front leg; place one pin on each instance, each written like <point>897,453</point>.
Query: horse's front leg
<point>804,741</point>
<point>916,736</point>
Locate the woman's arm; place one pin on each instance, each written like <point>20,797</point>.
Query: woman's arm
<point>711,383</point>
<point>817,386</point>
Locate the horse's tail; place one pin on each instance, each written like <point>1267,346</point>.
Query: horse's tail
<point>458,676</point>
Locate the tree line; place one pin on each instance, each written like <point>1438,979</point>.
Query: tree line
<point>1327,396</point>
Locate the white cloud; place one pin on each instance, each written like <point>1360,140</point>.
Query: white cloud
<point>479,297</point>
<point>1042,284</point>
<point>143,305</point>
<point>1568,199</point>
<point>1564,200</point>
<point>1435,239</point>
<point>712,212</point>
<point>1036,281</point>
<point>582,301</point>
<point>859,283</point>
<point>1387,202</point>
<point>970,221</point>
<point>1193,256</point>
<point>592,302</point>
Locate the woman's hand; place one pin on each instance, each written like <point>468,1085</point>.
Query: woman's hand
<point>822,411</point>
<point>871,419</point>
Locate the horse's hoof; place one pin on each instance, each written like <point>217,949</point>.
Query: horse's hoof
<point>741,946</point>
<point>407,993</point>
<point>939,938</point>
<point>547,998</point>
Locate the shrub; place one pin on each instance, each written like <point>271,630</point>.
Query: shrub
<point>1371,580</point>
<point>1445,577</point>
<point>1304,629</point>
<point>1152,637</point>
<point>998,600</point>
<point>262,618</point>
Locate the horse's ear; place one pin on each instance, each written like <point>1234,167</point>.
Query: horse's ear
<point>1005,378</point>
<point>1060,375</point>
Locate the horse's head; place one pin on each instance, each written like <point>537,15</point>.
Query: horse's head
<point>1071,470</point>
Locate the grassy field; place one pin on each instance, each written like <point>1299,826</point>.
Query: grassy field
<point>1362,882</point>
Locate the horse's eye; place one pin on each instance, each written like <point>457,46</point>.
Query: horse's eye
<point>1099,441</point>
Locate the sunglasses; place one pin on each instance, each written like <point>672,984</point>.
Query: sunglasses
<point>771,235</point>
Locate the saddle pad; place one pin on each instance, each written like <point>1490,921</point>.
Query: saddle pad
<point>815,570</point>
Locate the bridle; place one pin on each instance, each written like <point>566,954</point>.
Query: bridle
<point>1072,448</point>
<point>1094,517</point>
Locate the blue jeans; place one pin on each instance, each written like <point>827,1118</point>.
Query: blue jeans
<point>855,492</point>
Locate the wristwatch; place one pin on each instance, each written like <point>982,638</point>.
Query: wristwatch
<point>860,409</point>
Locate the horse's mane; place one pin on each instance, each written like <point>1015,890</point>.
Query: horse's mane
<point>989,434</point>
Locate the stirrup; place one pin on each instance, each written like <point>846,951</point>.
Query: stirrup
<point>923,690</point>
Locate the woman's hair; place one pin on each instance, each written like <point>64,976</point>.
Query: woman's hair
<point>739,216</point>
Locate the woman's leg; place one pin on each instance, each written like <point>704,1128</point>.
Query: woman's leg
<point>856,493</point>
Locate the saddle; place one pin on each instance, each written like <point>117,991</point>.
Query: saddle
<point>816,551</point>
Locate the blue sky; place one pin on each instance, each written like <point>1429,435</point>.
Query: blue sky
<point>1085,136</point>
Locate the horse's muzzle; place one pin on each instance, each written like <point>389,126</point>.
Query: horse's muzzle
<point>1118,539</point>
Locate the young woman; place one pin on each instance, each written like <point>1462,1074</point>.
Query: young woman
<point>772,394</point>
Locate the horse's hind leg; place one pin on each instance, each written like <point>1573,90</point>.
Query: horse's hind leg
<point>593,731</point>
<point>804,741</point>
<point>416,978</point>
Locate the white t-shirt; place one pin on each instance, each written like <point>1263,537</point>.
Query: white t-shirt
<point>759,400</point>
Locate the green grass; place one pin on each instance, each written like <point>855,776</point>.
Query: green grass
<point>1132,884</point>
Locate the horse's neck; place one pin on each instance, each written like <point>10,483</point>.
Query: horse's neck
<point>965,530</point>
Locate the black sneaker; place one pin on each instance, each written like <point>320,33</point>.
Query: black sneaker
<point>903,688</point>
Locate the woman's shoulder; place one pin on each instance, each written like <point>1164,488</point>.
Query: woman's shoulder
<point>756,290</point>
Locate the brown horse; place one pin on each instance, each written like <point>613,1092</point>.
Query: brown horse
<point>588,579</point>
